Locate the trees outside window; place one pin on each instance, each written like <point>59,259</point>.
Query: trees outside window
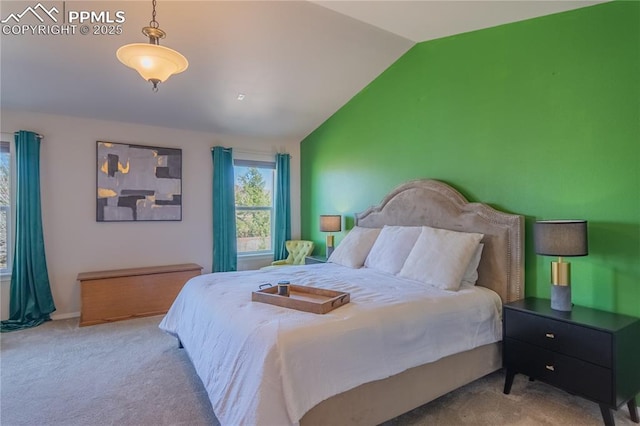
<point>5,207</point>
<point>254,206</point>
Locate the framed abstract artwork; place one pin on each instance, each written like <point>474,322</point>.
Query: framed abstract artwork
<point>138,183</point>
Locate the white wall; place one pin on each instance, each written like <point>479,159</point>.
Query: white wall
<point>75,242</point>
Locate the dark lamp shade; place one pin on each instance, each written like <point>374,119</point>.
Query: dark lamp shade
<point>561,238</point>
<point>330,223</point>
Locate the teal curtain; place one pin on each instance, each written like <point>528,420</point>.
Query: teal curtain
<point>282,227</point>
<point>31,301</point>
<point>225,250</point>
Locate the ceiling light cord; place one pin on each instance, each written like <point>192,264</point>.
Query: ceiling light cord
<point>153,22</point>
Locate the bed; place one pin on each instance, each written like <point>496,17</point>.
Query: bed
<point>374,358</point>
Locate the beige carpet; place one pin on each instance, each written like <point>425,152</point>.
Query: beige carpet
<point>131,373</point>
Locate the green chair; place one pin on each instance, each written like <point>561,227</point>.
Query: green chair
<point>298,250</point>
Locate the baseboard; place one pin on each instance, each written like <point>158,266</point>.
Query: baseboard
<point>56,317</point>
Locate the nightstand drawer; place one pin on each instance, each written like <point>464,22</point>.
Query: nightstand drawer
<point>577,341</point>
<point>573,375</point>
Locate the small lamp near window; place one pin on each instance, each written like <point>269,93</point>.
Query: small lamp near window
<point>330,223</point>
<point>562,238</point>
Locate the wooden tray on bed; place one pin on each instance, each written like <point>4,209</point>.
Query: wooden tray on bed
<point>302,298</point>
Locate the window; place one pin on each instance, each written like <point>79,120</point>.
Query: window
<point>5,207</point>
<point>254,205</point>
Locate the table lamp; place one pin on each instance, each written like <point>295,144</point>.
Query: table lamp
<point>330,223</point>
<point>562,238</point>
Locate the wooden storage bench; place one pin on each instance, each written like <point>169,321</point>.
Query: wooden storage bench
<point>128,293</point>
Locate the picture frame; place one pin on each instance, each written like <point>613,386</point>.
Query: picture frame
<point>138,183</point>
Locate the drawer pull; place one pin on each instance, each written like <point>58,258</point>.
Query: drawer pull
<point>550,367</point>
<point>550,336</point>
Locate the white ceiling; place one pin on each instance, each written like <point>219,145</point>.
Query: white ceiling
<point>297,62</point>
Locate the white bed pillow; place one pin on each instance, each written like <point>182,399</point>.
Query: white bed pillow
<point>440,257</point>
<point>354,248</point>
<point>391,248</point>
<point>471,274</point>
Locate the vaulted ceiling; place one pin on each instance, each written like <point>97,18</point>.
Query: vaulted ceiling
<point>296,62</point>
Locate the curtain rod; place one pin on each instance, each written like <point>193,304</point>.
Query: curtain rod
<point>38,135</point>
<point>248,151</point>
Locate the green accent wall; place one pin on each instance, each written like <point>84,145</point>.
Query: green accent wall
<point>539,117</point>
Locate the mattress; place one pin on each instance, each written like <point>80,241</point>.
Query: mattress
<point>263,364</point>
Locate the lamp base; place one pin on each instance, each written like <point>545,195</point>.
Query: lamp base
<point>329,251</point>
<point>561,273</point>
<point>561,298</point>
<point>330,246</point>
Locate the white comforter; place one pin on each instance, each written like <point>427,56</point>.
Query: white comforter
<point>266,365</point>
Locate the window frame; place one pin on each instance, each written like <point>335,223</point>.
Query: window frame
<point>7,144</point>
<point>259,164</point>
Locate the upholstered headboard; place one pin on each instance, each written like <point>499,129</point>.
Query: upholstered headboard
<point>436,204</point>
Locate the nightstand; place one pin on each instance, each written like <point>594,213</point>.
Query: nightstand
<point>310,260</point>
<point>586,352</point>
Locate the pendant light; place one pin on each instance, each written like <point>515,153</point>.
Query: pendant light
<point>153,62</point>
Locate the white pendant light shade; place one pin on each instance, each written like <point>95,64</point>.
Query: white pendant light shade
<point>153,62</point>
